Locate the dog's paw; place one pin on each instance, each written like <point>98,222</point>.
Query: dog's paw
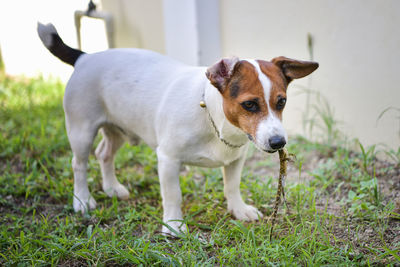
<point>83,205</point>
<point>177,225</point>
<point>246,212</point>
<point>117,190</point>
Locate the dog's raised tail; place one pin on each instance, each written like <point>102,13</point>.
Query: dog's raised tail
<point>53,42</point>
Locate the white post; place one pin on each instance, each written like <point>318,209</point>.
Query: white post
<point>208,31</point>
<point>192,31</point>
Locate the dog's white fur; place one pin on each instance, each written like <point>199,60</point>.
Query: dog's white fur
<point>134,93</point>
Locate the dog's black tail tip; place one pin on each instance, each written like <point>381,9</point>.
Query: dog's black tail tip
<point>53,42</point>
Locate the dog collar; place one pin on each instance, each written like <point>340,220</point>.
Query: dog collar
<point>204,105</point>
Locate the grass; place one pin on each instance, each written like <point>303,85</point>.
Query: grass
<point>342,201</point>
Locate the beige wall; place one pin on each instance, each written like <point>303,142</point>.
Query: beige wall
<point>138,23</point>
<point>357,44</point>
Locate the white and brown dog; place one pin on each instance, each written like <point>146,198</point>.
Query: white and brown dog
<point>131,93</point>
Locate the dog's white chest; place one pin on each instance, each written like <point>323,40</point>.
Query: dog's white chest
<point>213,154</point>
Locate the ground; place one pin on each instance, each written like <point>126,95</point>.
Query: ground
<point>343,200</point>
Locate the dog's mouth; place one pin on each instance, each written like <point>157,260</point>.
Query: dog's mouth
<point>262,149</point>
<point>250,137</point>
<point>270,151</point>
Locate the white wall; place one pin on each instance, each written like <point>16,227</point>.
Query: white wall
<point>23,53</point>
<point>356,43</point>
<point>138,24</point>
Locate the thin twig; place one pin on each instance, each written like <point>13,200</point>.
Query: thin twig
<point>283,159</point>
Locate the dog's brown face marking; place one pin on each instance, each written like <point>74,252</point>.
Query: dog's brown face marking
<point>254,94</point>
<point>279,84</point>
<point>245,100</point>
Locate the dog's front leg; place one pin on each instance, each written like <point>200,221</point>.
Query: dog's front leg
<point>232,174</point>
<point>168,172</point>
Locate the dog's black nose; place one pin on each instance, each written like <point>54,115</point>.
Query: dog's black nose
<point>277,142</point>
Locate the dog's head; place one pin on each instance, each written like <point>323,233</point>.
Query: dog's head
<point>254,95</point>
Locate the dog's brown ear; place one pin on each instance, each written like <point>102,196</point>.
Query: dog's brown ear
<point>220,73</point>
<point>294,69</point>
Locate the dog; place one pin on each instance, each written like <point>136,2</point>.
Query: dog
<point>189,115</point>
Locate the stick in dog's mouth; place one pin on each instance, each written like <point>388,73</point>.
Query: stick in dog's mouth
<point>283,159</point>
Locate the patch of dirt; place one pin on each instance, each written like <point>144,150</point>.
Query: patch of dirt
<point>44,205</point>
<point>15,162</point>
<point>294,175</point>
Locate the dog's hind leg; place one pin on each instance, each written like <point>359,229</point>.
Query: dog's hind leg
<point>81,140</point>
<point>105,152</point>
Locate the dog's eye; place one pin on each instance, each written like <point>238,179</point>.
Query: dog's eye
<point>281,103</point>
<point>251,106</point>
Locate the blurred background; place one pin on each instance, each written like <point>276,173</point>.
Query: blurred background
<point>356,89</point>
